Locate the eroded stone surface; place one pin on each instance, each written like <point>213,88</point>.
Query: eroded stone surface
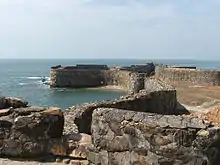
<point>161,102</point>
<point>126,137</point>
<point>28,132</point>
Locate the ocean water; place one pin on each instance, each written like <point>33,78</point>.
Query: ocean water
<point>22,78</point>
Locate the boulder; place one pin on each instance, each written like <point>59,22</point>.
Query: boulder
<point>14,102</point>
<point>127,138</point>
<point>30,131</point>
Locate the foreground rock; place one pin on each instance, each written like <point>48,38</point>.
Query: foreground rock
<point>161,101</point>
<point>127,138</point>
<point>29,132</point>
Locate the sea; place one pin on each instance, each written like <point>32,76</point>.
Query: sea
<point>23,78</point>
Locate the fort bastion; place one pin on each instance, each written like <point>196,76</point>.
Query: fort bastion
<point>82,76</point>
<point>130,78</point>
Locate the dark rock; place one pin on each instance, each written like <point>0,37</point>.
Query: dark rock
<point>146,138</point>
<point>56,67</point>
<point>14,102</point>
<point>30,134</point>
<point>2,102</point>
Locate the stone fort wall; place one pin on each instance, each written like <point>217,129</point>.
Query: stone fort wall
<point>187,75</point>
<point>132,78</point>
<point>83,76</point>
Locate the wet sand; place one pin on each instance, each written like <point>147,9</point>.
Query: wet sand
<point>109,87</point>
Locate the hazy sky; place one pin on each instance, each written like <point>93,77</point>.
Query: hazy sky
<point>110,29</point>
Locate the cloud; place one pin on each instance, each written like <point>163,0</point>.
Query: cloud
<point>122,28</point>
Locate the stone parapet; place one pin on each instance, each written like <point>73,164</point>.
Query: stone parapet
<point>190,76</point>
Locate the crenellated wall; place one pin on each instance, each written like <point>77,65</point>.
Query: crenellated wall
<point>187,75</point>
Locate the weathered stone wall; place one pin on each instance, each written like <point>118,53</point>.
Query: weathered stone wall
<point>76,78</point>
<point>161,101</point>
<point>135,138</point>
<point>116,77</point>
<point>82,76</point>
<point>188,76</point>
<point>148,69</point>
<point>128,80</point>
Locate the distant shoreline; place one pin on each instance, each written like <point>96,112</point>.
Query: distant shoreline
<point>109,88</point>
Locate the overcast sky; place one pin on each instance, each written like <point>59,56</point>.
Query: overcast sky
<point>110,29</point>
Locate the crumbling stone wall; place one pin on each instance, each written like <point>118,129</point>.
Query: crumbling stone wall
<point>137,138</point>
<point>161,101</point>
<point>128,80</point>
<point>188,76</point>
<point>76,78</point>
<point>82,76</point>
<point>116,77</point>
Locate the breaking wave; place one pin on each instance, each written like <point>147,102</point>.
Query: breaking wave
<point>34,78</point>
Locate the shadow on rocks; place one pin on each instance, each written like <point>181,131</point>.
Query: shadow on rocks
<point>181,110</point>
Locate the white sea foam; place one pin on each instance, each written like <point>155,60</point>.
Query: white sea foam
<point>22,84</point>
<point>37,78</point>
<point>34,78</point>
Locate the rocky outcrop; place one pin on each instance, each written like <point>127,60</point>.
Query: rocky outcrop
<point>30,131</point>
<point>127,138</point>
<point>161,102</point>
<point>7,102</point>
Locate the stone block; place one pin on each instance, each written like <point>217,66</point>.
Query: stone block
<point>129,137</point>
<point>28,132</point>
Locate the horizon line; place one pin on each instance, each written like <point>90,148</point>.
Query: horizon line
<point>109,59</point>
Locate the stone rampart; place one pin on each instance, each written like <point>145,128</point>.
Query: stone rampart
<point>82,76</point>
<point>76,78</point>
<point>187,75</point>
